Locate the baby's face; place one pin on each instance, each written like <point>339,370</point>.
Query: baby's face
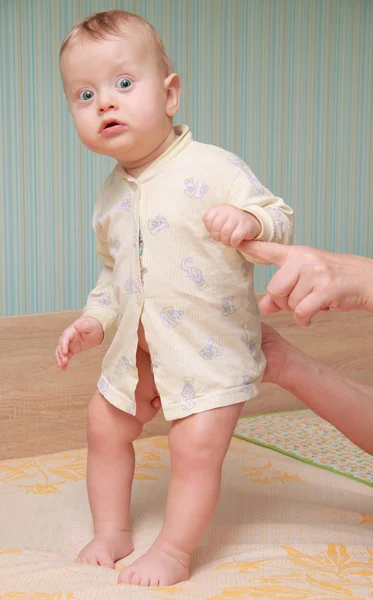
<point>116,96</point>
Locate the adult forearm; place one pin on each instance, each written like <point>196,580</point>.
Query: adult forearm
<point>344,403</point>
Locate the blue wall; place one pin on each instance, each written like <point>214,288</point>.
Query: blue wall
<point>286,84</point>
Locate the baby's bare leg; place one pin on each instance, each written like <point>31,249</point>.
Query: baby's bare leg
<point>198,445</point>
<point>110,468</point>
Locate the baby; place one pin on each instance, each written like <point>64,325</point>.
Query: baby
<point>183,306</point>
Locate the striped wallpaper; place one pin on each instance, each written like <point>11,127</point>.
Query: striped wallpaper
<point>286,84</point>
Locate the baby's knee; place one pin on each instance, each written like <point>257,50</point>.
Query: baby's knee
<point>108,426</point>
<point>191,451</point>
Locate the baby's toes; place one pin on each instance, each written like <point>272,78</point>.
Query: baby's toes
<point>134,577</point>
<point>84,560</point>
<point>105,560</point>
<point>126,576</point>
<point>145,580</point>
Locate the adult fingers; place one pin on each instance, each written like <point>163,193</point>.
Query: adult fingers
<point>309,307</point>
<point>268,306</point>
<point>283,283</point>
<point>284,280</point>
<point>266,252</point>
<point>300,291</point>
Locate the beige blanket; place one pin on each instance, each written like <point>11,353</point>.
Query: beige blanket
<point>282,530</point>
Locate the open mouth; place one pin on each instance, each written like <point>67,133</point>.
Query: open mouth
<point>111,125</point>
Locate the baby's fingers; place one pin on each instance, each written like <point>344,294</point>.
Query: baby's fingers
<point>209,217</point>
<point>221,228</point>
<point>66,339</point>
<point>58,357</point>
<point>66,361</point>
<point>61,358</point>
<point>237,235</point>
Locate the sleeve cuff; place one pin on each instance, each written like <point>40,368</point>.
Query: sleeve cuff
<point>107,320</point>
<point>265,221</point>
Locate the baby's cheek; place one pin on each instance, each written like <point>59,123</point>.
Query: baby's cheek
<point>89,140</point>
<point>150,110</point>
<point>83,126</point>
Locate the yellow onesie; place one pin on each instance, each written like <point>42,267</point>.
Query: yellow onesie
<point>194,297</point>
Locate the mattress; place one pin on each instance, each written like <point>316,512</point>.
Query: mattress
<point>283,529</point>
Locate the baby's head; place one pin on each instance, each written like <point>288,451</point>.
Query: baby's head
<point>120,85</point>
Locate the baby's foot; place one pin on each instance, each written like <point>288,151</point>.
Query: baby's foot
<point>157,568</point>
<point>106,548</point>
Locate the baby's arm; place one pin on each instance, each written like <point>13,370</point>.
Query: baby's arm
<point>99,315</point>
<point>102,301</point>
<point>251,212</point>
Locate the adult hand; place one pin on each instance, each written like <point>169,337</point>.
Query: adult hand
<point>311,280</point>
<point>276,351</point>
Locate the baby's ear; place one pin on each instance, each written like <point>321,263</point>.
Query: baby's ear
<point>172,87</point>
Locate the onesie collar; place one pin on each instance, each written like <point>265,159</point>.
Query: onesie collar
<point>179,144</point>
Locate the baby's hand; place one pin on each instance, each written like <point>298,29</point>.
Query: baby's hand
<point>83,334</point>
<point>231,225</point>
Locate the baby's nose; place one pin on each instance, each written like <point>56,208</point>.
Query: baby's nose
<point>105,106</point>
<point>106,102</point>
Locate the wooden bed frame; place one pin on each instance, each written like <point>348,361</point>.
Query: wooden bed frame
<point>43,410</point>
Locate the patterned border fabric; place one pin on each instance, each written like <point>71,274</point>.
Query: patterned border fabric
<point>306,437</point>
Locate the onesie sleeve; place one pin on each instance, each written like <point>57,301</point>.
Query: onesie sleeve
<point>102,301</point>
<point>275,217</point>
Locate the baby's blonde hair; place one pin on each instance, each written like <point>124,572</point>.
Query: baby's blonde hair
<point>99,26</point>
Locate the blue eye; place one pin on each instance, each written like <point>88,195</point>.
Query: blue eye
<point>123,83</point>
<point>86,95</point>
